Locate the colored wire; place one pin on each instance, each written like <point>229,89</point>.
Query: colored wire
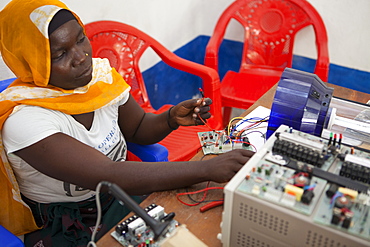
<point>258,119</point>
<point>336,195</point>
<point>309,187</point>
<point>252,120</point>
<point>189,193</point>
<point>211,205</point>
<point>205,123</point>
<point>255,121</point>
<point>195,192</point>
<point>204,156</point>
<point>256,131</point>
<point>201,92</point>
<point>229,125</point>
<point>197,201</point>
<point>252,125</point>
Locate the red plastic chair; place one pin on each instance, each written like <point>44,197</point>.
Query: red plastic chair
<point>124,45</point>
<point>270,28</point>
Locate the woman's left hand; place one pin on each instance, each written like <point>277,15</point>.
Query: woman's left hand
<point>190,112</point>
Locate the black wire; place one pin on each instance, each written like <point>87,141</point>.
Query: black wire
<point>201,159</point>
<point>193,200</point>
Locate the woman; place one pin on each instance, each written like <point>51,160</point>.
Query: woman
<point>65,122</point>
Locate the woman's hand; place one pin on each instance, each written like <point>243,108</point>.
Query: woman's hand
<point>223,167</point>
<point>190,112</point>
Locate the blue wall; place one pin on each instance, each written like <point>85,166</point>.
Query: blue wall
<point>166,85</point>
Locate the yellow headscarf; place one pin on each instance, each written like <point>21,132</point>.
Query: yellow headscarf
<point>25,48</point>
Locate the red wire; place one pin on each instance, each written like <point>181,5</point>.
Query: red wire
<point>202,93</point>
<point>190,193</point>
<point>204,122</point>
<point>195,192</point>
<point>249,126</point>
<point>211,205</point>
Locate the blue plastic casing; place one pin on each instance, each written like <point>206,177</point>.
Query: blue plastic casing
<point>301,101</point>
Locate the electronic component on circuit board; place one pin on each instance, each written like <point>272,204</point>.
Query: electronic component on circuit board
<point>217,142</point>
<point>135,232</point>
<point>299,188</point>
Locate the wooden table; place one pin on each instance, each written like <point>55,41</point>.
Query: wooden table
<point>206,225</point>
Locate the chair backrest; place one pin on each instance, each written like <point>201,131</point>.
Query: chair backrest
<point>124,45</point>
<point>270,28</point>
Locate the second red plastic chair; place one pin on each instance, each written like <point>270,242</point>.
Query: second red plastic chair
<point>270,27</point>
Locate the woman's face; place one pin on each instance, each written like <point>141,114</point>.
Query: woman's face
<point>71,61</point>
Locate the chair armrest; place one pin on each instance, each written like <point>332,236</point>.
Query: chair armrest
<point>150,153</point>
<point>210,77</point>
<point>212,49</point>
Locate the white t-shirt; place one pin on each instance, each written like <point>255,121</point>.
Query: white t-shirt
<point>31,124</point>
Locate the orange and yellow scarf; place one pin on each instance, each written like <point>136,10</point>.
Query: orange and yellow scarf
<point>24,46</point>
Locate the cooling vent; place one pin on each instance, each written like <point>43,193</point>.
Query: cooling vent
<point>269,221</point>
<point>314,239</point>
<point>249,241</point>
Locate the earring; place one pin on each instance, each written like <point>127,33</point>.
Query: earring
<point>86,54</point>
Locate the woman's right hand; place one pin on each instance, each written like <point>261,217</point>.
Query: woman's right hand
<point>223,167</point>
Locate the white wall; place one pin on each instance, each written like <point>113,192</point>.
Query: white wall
<point>176,22</point>
<point>348,26</point>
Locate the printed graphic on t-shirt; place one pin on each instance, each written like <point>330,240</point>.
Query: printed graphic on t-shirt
<point>118,153</point>
<point>73,190</point>
<point>111,139</point>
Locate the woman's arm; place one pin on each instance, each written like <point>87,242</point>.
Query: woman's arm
<point>65,158</point>
<point>148,128</point>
